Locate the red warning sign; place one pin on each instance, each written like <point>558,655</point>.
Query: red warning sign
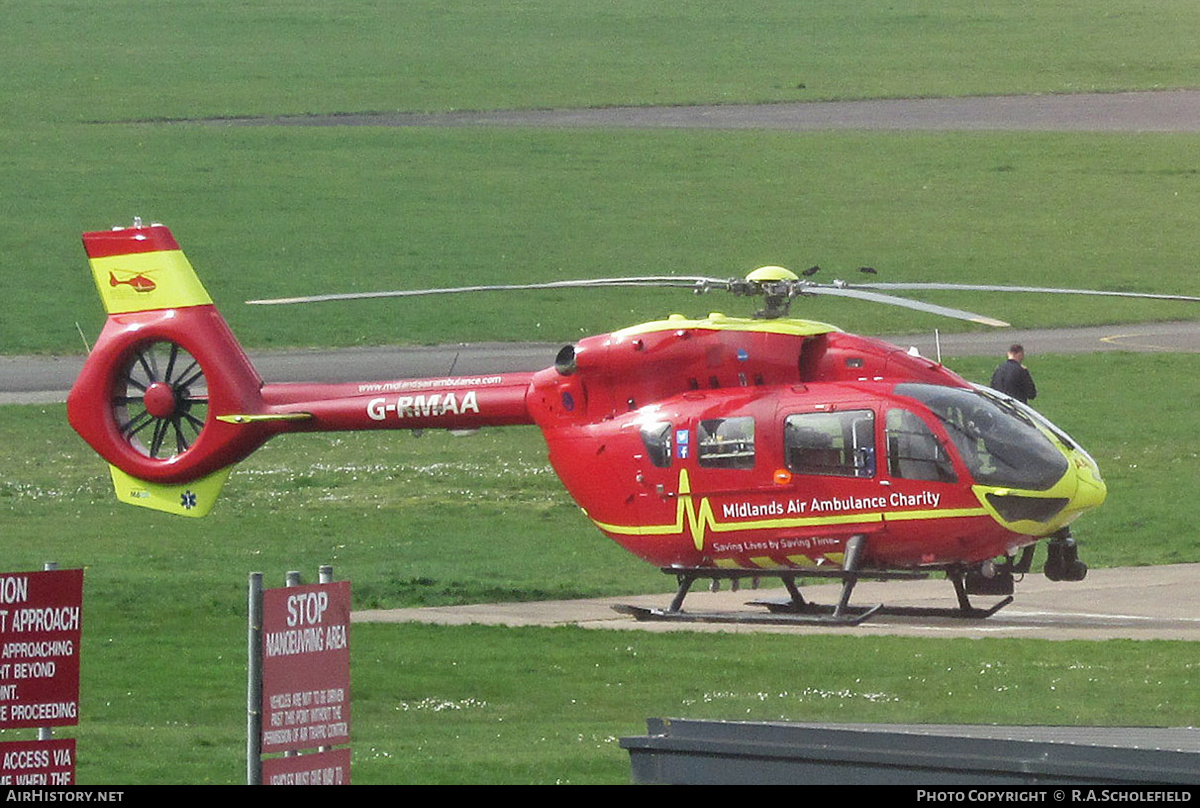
<point>40,616</point>
<point>37,763</point>
<point>330,768</point>
<point>306,667</point>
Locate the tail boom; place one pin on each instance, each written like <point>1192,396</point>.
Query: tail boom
<point>445,403</point>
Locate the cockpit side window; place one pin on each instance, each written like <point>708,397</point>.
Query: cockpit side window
<point>840,444</point>
<point>914,452</point>
<point>726,443</point>
<point>656,437</point>
<point>998,441</point>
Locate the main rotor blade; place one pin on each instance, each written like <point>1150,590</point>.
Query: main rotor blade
<point>892,300</point>
<point>686,282</point>
<point>966,287</point>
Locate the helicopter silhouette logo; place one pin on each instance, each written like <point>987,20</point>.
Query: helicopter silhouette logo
<point>138,281</point>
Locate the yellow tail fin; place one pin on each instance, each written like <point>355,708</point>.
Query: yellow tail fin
<point>141,269</point>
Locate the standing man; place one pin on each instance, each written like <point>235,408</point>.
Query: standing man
<point>1012,377</point>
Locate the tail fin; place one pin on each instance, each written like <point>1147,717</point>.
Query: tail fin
<point>166,393</point>
<point>140,269</point>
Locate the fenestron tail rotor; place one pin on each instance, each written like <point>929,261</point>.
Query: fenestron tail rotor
<point>160,401</point>
<point>777,285</point>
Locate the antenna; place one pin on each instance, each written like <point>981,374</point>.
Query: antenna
<point>86,348</point>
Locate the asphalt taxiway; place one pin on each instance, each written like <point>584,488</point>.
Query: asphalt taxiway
<point>1134,603</point>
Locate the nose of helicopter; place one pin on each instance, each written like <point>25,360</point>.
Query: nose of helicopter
<point>1044,512</point>
<point>1090,490</point>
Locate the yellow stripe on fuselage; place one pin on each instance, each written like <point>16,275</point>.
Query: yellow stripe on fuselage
<point>698,522</point>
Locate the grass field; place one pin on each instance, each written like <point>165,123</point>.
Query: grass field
<point>296,210</point>
<point>66,61</point>
<point>268,211</point>
<point>397,208</point>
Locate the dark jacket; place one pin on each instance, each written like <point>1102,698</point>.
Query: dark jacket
<point>1012,378</point>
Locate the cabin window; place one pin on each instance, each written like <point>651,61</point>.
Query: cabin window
<point>841,444</point>
<point>726,443</point>
<point>656,437</point>
<point>914,452</point>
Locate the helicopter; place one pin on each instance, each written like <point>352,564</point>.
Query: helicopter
<point>718,448</point>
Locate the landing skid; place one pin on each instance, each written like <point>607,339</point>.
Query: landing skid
<point>851,617</point>
<point>798,611</point>
<point>968,613</point>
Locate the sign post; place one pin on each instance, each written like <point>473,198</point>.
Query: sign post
<point>302,698</point>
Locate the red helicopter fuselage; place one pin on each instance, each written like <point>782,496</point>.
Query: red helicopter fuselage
<point>765,444</point>
<point>713,443</point>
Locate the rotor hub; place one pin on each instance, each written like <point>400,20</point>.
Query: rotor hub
<point>160,400</point>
